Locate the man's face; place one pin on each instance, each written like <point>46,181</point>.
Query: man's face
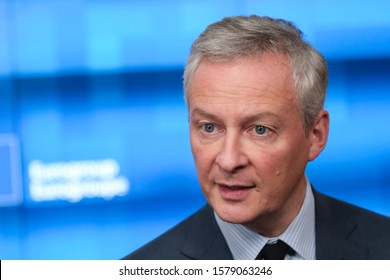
<point>248,141</point>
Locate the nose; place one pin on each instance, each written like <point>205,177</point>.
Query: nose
<point>231,157</point>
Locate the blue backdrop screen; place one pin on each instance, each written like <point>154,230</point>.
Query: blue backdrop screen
<point>94,140</point>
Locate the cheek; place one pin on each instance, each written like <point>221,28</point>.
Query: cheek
<point>281,161</point>
<point>203,157</point>
<point>270,171</point>
<point>292,167</point>
<point>267,159</point>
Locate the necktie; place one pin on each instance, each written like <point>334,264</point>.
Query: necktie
<point>274,251</point>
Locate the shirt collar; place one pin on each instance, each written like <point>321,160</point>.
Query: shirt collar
<point>300,234</point>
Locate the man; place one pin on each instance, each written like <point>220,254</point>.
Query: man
<point>255,93</point>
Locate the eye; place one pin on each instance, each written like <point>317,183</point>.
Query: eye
<point>260,129</point>
<point>208,128</point>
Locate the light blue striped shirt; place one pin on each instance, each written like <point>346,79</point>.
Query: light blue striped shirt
<point>300,234</point>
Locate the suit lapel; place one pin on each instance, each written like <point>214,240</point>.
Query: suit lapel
<point>333,232</point>
<point>205,240</point>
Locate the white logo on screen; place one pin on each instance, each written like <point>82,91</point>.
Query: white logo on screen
<point>76,180</point>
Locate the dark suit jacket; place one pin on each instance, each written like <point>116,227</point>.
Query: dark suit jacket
<point>343,231</point>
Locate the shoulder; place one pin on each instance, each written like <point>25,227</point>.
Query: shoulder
<point>335,218</point>
<point>340,210</point>
<point>169,245</point>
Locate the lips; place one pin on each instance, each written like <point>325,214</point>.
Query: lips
<point>235,187</point>
<point>234,192</point>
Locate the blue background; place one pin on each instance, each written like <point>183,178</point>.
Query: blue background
<point>5,167</point>
<point>89,80</point>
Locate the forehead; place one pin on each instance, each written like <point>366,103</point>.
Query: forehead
<point>246,84</point>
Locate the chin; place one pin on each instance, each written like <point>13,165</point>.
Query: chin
<point>234,214</point>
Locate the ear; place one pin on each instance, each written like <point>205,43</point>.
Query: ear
<point>318,135</point>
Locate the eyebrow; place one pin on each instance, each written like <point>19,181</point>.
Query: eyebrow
<point>203,113</point>
<point>249,118</point>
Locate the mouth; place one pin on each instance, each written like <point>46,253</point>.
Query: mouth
<point>234,192</point>
<point>236,187</point>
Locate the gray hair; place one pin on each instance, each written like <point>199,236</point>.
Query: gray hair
<point>245,36</point>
